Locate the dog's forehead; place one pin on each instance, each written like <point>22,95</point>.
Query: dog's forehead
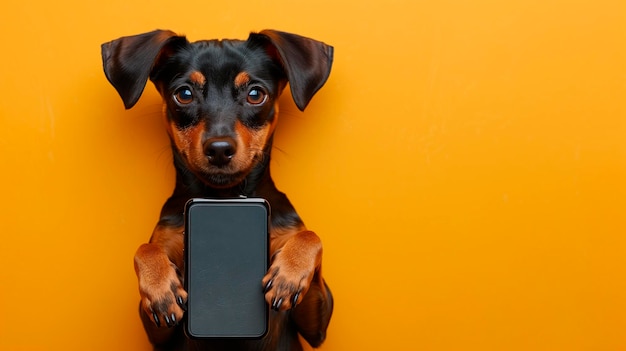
<point>225,55</point>
<point>219,62</point>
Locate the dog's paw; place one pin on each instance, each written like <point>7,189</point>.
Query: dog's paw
<point>289,277</point>
<point>163,298</point>
<point>285,285</point>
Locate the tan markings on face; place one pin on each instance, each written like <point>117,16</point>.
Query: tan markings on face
<point>244,135</point>
<point>242,79</point>
<point>197,78</point>
<point>188,142</point>
<point>251,142</point>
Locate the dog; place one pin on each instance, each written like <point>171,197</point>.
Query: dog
<point>220,104</point>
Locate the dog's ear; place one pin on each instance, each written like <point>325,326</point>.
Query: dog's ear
<point>129,61</point>
<point>306,62</point>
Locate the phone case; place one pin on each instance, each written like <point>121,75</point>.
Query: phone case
<point>226,257</point>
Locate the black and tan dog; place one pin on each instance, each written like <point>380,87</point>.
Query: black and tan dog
<point>221,108</point>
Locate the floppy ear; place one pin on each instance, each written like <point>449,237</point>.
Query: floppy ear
<point>129,61</point>
<point>306,62</point>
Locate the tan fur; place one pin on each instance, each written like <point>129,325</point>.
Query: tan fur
<point>242,79</point>
<point>197,78</point>
<point>154,263</point>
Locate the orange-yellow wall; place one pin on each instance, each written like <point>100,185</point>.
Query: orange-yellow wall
<point>465,166</point>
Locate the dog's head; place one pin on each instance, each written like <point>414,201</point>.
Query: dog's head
<point>220,97</point>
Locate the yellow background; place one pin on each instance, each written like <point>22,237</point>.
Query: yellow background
<point>465,166</point>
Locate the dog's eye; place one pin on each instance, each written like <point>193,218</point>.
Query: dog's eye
<point>183,96</point>
<point>256,96</point>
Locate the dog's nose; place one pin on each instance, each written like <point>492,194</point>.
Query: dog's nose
<point>220,150</point>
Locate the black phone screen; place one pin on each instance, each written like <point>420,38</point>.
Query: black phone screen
<point>226,252</point>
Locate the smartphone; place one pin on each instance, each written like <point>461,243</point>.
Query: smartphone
<point>226,257</point>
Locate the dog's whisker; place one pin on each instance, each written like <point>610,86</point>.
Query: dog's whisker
<point>274,147</point>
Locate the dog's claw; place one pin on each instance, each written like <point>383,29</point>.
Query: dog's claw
<point>268,286</point>
<point>156,319</point>
<point>296,296</point>
<point>173,318</point>
<point>181,303</point>
<point>168,321</point>
<point>276,304</point>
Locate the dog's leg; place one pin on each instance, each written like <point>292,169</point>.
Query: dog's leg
<point>163,298</point>
<point>294,281</point>
<point>312,315</point>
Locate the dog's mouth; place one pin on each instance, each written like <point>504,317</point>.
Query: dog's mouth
<point>221,177</point>
<point>222,180</point>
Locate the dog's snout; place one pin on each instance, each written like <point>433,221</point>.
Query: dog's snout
<point>220,151</point>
